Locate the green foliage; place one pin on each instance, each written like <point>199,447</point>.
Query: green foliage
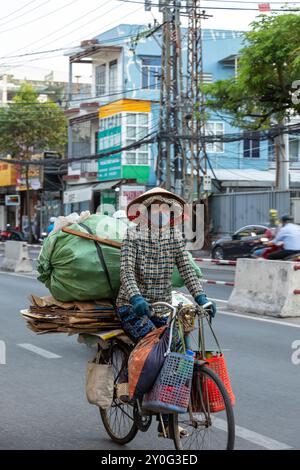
<point>268,65</point>
<point>27,126</point>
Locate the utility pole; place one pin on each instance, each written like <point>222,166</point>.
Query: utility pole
<point>164,147</point>
<point>181,113</point>
<point>282,158</point>
<point>170,154</point>
<point>195,100</point>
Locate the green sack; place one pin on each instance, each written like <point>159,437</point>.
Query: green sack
<point>70,268</point>
<point>177,280</point>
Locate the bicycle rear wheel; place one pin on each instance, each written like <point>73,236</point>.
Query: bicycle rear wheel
<point>118,420</point>
<point>206,430</point>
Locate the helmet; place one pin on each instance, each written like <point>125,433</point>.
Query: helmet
<point>287,218</point>
<point>52,220</point>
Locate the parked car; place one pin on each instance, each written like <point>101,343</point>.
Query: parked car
<point>240,244</point>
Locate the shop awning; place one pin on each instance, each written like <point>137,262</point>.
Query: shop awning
<point>79,193</point>
<point>106,185</point>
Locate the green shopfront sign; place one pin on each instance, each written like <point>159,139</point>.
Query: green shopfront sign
<point>110,167</point>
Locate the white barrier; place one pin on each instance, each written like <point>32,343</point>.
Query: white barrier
<point>266,287</point>
<point>16,257</point>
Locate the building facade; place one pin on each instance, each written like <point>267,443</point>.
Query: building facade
<point>124,107</point>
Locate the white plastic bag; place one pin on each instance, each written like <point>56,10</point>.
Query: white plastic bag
<point>74,218</point>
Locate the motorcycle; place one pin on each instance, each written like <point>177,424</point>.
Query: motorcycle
<point>11,234</point>
<point>267,247</point>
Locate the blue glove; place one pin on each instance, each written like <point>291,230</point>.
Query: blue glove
<point>201,299</point>
<point>139,306</point>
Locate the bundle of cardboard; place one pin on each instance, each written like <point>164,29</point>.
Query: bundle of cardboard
<point>48,315</point>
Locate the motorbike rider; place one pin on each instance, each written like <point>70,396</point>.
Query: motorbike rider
<point>270,234</point>
<point>289,236</point>
<point>51,224</point>
<point>149,252</point>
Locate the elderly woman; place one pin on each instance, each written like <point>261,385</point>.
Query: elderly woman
<point>149,253</point>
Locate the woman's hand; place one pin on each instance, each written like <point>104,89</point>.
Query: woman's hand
<point>139,306</point>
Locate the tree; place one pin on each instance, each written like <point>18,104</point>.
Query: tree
<point>268,68</point>
<point>28,126</point>
<point>263,93</point>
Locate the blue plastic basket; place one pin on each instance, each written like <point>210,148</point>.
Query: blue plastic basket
<point>172,388</point>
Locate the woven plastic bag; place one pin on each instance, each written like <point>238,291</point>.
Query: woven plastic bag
<point>70,267</point>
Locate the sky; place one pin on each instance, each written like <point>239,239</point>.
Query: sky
<point>32,26</point>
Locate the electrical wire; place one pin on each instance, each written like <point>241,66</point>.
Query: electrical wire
<point>150,138</point>
<point>12,66</point>
<point>23,14</point>
<point>115,39</point>
<point>38,18</point>
<point>93,10</point>
<point>204,7</point>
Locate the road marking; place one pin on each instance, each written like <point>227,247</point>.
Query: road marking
<point>219,300</point>
<point>266,320</point>
<point>251,436</point>
<point>27,276</point>
<point>39,351</point>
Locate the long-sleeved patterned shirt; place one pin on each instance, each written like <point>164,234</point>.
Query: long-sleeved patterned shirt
<point>148,258</point>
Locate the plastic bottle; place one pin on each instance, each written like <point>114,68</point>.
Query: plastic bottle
<point>184,371</point>
<point>189,352</point>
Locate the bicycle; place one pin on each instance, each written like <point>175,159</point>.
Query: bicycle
<point>205,429</point>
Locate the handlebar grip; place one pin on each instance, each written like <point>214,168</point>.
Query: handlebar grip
<point>207,305</point>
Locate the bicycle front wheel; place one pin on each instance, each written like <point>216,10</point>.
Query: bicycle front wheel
<point>205,428</point>
<point>118,420</point>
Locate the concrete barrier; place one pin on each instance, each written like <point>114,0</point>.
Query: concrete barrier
<point>16,258</point>
<point>266,288</point>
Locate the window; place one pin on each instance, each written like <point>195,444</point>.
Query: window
<point>251,145</point>
<point>294,148</point>
<point>137,125</point>
<point>244,233</point>
<point>100,80</point>
<point>151,71</point>
<point>215,129</point>
<point>81,138</point>
<point>109,136</point>
<point>207,77</point>
<point>113,76</point>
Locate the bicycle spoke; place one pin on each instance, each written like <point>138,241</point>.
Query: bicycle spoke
<point>202,433</point>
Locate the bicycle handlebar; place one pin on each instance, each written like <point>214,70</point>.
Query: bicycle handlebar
<point>173,309</point>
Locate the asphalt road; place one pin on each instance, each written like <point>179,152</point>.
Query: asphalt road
<point>43,403</point>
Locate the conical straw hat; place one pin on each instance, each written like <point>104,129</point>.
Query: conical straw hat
<point>155,192</point>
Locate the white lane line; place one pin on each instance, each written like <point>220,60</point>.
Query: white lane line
<point>251,436</point>
<point>39,351</point>
<point>266,320</point>
<point>27,276</point>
